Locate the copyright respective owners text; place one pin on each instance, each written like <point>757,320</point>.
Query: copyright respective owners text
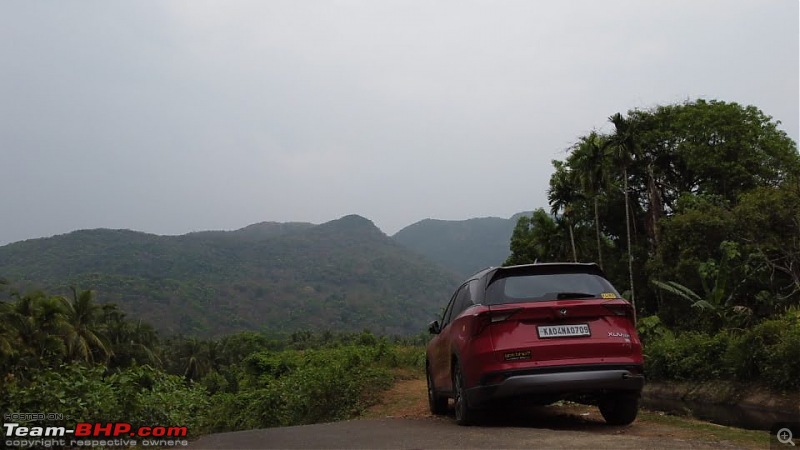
<point>53,430</point>
<point>785,435</point>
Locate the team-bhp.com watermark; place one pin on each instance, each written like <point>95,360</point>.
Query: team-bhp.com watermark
<point>19,434</point>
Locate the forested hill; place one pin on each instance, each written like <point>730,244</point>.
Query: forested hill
<point>341,275</point>
<point>464,246</point>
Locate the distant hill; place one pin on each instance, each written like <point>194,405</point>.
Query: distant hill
<point>463,246</point>
<point>341,275</point>
<point>257,231</point>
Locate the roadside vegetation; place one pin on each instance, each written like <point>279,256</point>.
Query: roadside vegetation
<point>693,210</point>
<point>87,361</point>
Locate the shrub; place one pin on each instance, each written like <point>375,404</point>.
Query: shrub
<point>296,387</point>
<point>689,356</point>
<point>651,328</point>
<point>768,353</point>
<point>779,355</point>
<point>138,395</point>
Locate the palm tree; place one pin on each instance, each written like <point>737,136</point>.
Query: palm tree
<point>34,324</point>
<point>625,152</point>
<point>215,353</point>
<point>83,337</point>
<point>193,356</point>
<point>130,343</point>
<point>562,195</point>
<point>590,163</point>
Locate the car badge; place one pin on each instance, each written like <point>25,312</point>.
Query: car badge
<point>563,312</point>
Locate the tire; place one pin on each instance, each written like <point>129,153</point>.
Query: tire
<point>619,409</point>
<point>464,414</point>
<point>437,403</point>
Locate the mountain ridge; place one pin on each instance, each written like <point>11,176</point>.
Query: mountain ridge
<point>344,274</point>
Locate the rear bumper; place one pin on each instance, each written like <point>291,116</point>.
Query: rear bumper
<point>568,382</point>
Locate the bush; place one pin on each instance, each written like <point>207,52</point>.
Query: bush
<point>783,363</point>
<point>690,356</point>
<point>295,387</point>
<point>651,328</point>
<point>142,396</point>
<point>768,353</point>
<point>147,396</point>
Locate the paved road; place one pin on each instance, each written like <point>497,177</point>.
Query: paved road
<point>418,433</point>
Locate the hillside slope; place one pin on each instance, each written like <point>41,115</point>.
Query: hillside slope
<point>343,275</point>
<point>463,246</point>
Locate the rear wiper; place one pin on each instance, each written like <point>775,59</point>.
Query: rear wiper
<point>569,295</point>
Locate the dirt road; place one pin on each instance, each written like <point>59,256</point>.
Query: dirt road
<point>401,420</point>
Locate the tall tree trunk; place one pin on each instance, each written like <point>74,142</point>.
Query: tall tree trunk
<point>572,240</point>
<point>656,207</point>
<point>628,228</point>
<point>597,228</point>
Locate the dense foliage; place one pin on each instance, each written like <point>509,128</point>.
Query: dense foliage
<point>300,387</point>
<point>767,353</point>
<point>90,363</point>
<point>694,211</point>
<point>344,275</point>
<point>141,396</point>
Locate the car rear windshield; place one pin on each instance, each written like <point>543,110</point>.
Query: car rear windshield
<point>546,287</point>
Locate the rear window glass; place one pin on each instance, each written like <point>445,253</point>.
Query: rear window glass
<point>546,287</point>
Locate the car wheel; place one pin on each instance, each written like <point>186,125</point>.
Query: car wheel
<point>464,414</point>
<point>619,409</point>
<point>437,403</point>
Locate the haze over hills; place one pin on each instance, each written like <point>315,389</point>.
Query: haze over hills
<point>464,246</point>
<point>341,275</point>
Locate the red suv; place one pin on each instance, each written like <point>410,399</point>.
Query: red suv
<point>540,333</point>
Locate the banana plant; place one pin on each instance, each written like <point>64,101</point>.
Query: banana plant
<point>719,286</point>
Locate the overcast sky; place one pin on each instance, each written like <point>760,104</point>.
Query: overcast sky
<point>178,116</point>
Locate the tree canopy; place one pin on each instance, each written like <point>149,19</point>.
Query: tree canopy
<point>710,193</point>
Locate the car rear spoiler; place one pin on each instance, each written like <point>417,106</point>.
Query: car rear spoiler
<point>545,269</point>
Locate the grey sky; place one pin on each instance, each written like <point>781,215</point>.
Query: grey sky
<point>175,116</point>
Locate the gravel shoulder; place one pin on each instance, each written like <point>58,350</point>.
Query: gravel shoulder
<point>401,420</point>
<point>407,399</point>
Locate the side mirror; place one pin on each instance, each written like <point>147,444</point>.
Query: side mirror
<point>433,327</point>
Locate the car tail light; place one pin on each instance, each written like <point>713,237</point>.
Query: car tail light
<point>486,318</point>
<point>621,309</point>
<point>502,316</point>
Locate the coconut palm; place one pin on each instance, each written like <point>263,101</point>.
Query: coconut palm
<point>130,342</point>
<point>34,324</point>
<point>83,338</point>
<point>193,356</point>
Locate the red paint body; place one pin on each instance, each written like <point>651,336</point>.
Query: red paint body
<point>504,331</point>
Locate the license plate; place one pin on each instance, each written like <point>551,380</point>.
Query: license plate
<point>557,331</point>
